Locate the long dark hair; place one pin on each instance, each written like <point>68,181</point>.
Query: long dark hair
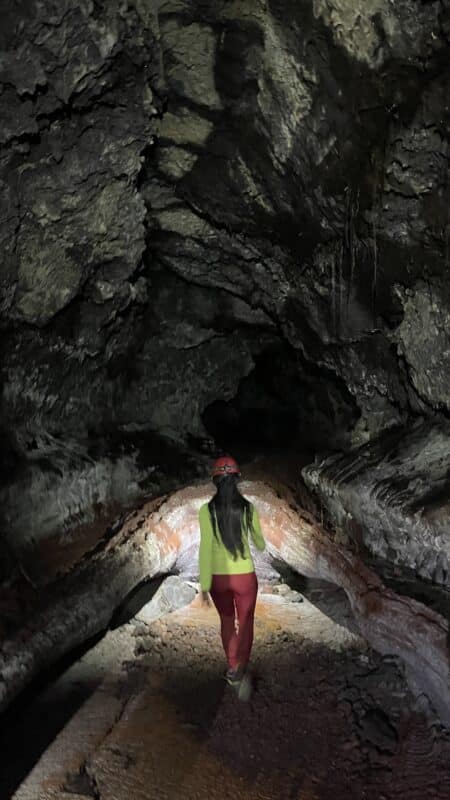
<point>230,513</point>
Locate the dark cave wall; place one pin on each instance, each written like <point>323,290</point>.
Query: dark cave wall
<point>336,155</point>
<point>390,501</point>
<point>190,187</point>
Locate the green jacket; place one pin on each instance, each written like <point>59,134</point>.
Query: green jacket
<point>215,559</point>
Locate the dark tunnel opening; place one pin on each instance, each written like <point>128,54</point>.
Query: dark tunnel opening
<point>284,403</point>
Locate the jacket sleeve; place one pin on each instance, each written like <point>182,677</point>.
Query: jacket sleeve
<point>258,538</point>
<point>205,552</point>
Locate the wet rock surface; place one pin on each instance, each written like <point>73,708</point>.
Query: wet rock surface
<point>329,718</point>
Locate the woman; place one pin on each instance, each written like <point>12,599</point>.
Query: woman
<point>227,571</point>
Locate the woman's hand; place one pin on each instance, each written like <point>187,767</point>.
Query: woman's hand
<point>205,599</point>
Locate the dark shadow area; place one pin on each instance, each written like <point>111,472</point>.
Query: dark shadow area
<point>405,581</point>
<point>328,597</point>
<point>135,600</point>
<point>37,715</point>
<point>185,696</point>
<point>283,403</point>
<point>338,720</point>
<point>279,732</point>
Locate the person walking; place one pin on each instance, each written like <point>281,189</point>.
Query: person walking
<point>226,567</point>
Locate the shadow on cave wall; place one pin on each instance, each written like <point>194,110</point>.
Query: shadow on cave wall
<point>353,171</point>
<point>361,107</point>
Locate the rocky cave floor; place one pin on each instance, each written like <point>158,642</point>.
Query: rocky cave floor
<point>145,714</point>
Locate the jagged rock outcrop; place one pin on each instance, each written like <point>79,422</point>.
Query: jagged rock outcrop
<point>390,498</point>
<point>193,193</point>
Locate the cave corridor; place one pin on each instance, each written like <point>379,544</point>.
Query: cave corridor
<point>225,230</point>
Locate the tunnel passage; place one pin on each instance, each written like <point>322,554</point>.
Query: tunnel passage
<point>220,221</point>
<point>295,539</point>
<point>163,536</point>
<point>322,700</point>
<point>225,218</point>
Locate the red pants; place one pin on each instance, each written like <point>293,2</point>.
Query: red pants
<point>234,596</point>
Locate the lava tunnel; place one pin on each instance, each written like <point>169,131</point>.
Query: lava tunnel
<point>224,231</point>
<point>162,538</point>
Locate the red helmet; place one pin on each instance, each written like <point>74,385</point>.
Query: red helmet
<point>226,465</point>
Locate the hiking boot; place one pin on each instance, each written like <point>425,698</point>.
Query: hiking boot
<point>240,680</point>
<point>245,688</point>
<point>233,676</point>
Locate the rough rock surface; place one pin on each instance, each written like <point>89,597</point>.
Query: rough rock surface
<point>172,594</point>
<point>67,719</point>
<point>213,215</point>
<point>331,720</point>
<point>391,498</point>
